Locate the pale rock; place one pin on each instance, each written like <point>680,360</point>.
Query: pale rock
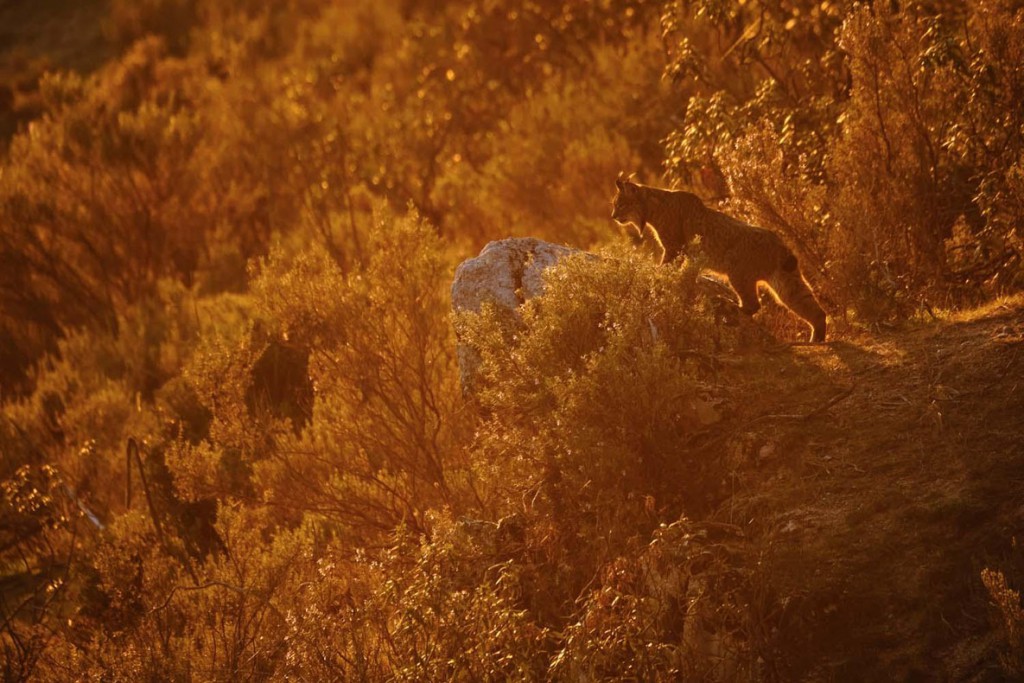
<point>507,273</point>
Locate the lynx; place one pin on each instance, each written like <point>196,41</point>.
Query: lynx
<point>745,254</point>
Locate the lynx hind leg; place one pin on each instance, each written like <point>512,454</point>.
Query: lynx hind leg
<point>793,293</point>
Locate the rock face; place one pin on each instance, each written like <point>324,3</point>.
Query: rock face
<point>506,273</point>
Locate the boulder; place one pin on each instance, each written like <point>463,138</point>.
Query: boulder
<point>507,273</point>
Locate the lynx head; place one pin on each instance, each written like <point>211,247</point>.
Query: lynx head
<point>628,205</point>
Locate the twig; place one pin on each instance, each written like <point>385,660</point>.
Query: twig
<point>788,345</point>
<point>197,587</point>
<point>131,450</point>
<point>842,395</point>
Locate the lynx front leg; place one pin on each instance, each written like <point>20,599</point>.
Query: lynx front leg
<point>746,290</point>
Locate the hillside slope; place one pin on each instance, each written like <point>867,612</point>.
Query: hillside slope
<point>888,475</point>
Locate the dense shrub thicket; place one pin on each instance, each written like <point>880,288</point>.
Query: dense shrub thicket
<point>234,444</point>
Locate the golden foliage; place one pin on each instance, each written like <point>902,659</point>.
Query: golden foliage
<point>232,245</point>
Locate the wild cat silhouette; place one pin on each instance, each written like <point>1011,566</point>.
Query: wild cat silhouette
<point>745,254</point>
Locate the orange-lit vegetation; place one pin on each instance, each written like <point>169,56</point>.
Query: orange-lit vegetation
<point>227,233</point>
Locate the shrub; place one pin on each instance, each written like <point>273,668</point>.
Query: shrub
<point>440,607</point>
<point>1011,619</point>
<point>547,170</point>
<point>381,441</point>
<point>589,402</point>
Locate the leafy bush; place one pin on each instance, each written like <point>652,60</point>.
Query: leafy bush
<point>589,402</point>
<point>1007,604</point>
<point>374,378</point>
<point>440,608</point>
<point>547,169</point>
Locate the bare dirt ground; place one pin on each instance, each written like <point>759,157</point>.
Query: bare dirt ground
<point>886,471</point>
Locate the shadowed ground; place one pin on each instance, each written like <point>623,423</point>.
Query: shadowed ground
<point>881,510</point>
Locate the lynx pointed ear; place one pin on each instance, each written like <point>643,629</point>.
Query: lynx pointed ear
<point>631,177</point>
<point>619,180</point>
